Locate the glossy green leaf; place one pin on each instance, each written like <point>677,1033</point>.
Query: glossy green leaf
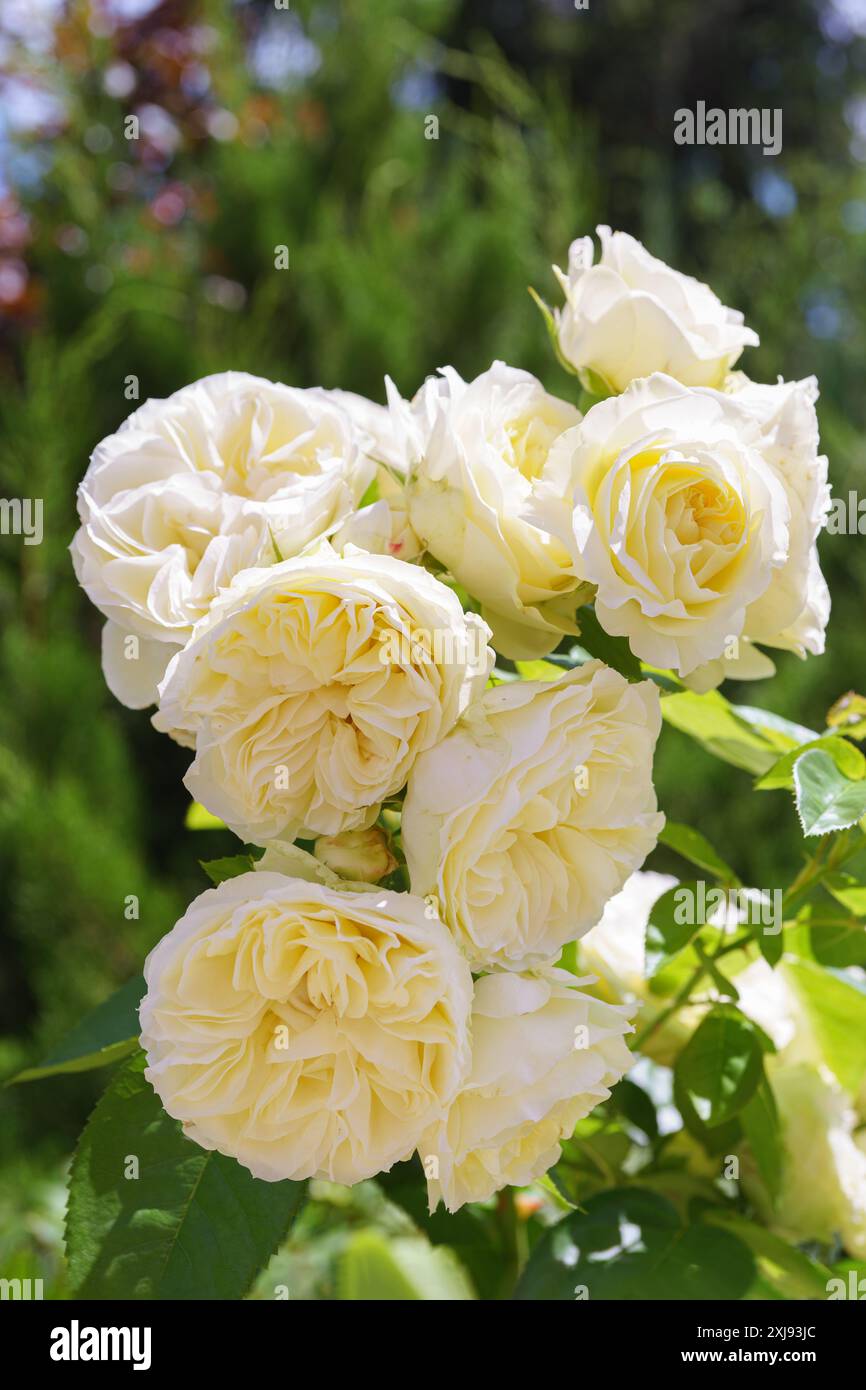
<point>793,1274</point>
<point>696,848</point>
<point>104,1036</point>
<point>760,1121</point>
<point>721,1065</point>
<point>848,891</point>
<point>711,721</point>
<point>848,759</point>
<point>826,799</point>
<point>668,929</point>
<point>633,1102</point>
<point>781,732</point>
<point>631,1244</point>
<point>837,938</point>
<point>152,1215</point>
<point>232,866</point>
<point>848,715</point>
<point>613,651</point>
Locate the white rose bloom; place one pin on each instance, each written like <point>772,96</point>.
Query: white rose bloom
<point>798,598</point>
<point>544,1054</point>
<point>823,1191</point>
<point>631,315</point>
<point>385,442</point>
<point>304,1031</point>
<point>382,527</point>
<point>695,513</point>
<point>533,811</point>
<point>478,452</point>
<point>225,474</point>
<point>312,686</point>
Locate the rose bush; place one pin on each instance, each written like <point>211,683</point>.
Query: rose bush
<point>309,585</point>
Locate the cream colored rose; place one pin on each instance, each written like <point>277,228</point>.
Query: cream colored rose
<point>823,1189</point>
<point>695,514</point>
<point>544,1054</point>
<point>794,611</point>
<point>227,473</point>
<point>631,315</point>
<point>478,452</point>
<point>305,1031</point>
<point>822,1194</point>
<point>311,688</point>
<point>378,424</point>
<point>533,811</point>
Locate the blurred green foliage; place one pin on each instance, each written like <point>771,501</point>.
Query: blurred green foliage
<point>155,259</point>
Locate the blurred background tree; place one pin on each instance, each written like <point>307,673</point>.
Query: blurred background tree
<point>423,162</point>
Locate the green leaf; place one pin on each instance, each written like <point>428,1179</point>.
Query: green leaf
<point>721,1065</point>
<point>781,732</point>
<point>192,1225</point>
<point>848,891</point>
<point>666,935</point>
<point>848,759</point>
<point>538,670</point>
<point>772,946</point>
<point>613,651</point>
<point>837,939</point>
<point>849,715</point>
<point>723,1139</point>
<point>633,1102</point>
<point>198,818</point>
<point>791,1272</point>
<point>630,1244</point>
<point>826,799</point>
<point>375,1268</point>
<point>550,324</point>
<point>232,866</point>
<point>711,721</point>
<point>696,848</point>
<point>472,1232</point>
<point>595,388</point>
<point>104,1036</point>
<point>836,1011</point>
<point>760,1121</point>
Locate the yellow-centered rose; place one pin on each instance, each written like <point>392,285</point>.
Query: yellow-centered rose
<point>312,686</point>
<point>303,1030</point>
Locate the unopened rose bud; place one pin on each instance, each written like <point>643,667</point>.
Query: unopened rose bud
<point>361,855</point>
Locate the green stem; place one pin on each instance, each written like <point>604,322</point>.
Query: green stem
<point>513,1240</point>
